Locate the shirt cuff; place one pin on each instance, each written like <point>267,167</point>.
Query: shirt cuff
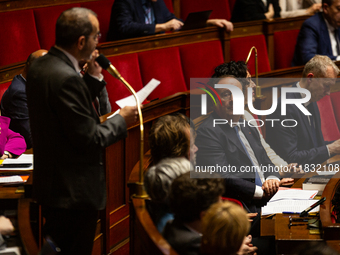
<point>258,192</point>
<point>329,154</point>
<point>337,58</point>
<point>272,177</point>
<point>100,78</point>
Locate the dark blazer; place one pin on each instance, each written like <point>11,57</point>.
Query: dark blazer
<point>313,39</point>
<point>220,146</point>
<point>248,10</point>
<point>14,106</point>
<point>295,144</point>
<point>182,239</point>
<point>127,19</point>
<point>68,138</point>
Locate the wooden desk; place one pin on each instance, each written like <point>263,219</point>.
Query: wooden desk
<point>287,239</point>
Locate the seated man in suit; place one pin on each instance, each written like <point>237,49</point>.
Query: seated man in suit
<point>14,101</point>
<point>135,18</point>
<point>235,148</point>
<point>190,198</point>
<point>319,35</point>
<point>304,143</point>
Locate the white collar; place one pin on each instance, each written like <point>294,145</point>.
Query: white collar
<point>74,61</point>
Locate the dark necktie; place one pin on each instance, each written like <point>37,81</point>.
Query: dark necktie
<point>336,35</point>
<point>312,124</point>
<point>258,181</point>
<point>147,12</point>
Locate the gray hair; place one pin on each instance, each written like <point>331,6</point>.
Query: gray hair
<point>318,66</point>
<point>158,179</point>
<point>72,24</point>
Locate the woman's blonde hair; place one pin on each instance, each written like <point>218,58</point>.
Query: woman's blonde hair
<point>225,225</point>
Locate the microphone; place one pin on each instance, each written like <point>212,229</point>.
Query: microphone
<point>106,64</point>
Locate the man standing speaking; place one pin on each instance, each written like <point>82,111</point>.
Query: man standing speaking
<point>68,138</point>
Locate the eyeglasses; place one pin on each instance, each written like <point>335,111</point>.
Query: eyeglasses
<point>97,36</point>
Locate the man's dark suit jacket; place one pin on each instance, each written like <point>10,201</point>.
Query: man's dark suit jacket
<point>248,10</point>
<point>14,106</point>
<point>295,144</point>
<point>313,39</point>
<point>128,21</point>
<point>68,138</point>
<point>182,239</point>
<point>220,145</point>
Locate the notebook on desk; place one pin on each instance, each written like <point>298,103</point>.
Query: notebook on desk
<point>196,20</point>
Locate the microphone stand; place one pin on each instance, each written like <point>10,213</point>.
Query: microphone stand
<point>140,191</point>
<point>258,88</point>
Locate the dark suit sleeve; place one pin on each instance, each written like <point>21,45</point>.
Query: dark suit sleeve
<point>123,20</point>
<point>252,11</point>
<point>211,153</point>
<point>307,42</point>
<point>287,142</point>
<point>76,117</point>
<point>104,103</point>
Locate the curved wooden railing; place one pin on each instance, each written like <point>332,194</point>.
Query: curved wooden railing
<point>331,231</point>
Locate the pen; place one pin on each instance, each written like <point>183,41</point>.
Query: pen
<point>290,212</point>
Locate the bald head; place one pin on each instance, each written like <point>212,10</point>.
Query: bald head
<point>33,56</point>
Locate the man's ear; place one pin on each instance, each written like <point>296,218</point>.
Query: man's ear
<point>325,8</point>
<point>310,76</point>
<point>81,42</point>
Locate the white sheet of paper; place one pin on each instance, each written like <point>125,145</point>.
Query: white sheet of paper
<point>23,159</point>
<point>293,194</point>
<point>288,206</point>
<point>9,179</point>
<point>142,95</point>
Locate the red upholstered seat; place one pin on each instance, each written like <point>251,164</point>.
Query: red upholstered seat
<point>232,200</point>
<point>240,47</point>
<point>18,36</point>
<point>165,66</point>
<point>46,19</point>
<point>336,106</point>
<point>128,66</point>
<point>200,59</point>
<point>329,125</point>
<point>220,8</point>
<point>103,10</point>
<point>168,4</point>
<point>3,88</point>
<point>284,45</point>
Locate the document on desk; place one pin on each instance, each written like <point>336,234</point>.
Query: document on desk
<point>293,194</point>
<point>24,162</point>
<point>13,179</point>
<point>142,95</point>
<point>296,206</point>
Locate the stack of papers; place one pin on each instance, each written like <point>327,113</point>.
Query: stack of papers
<point>24,162</point>
<point>13,179</point>
<point>290,201</point>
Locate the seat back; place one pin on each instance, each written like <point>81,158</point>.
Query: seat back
<point>239,49</point>
<point>103,10</point>
<point>46,18</point>
<point>128,66</point>
<point>200,59</point>
<point>19,37</point>
<point>329,126</point>
<point>165,66</point>
<point>168,4</point>
<point>284,45</point>
<point>220,8</point>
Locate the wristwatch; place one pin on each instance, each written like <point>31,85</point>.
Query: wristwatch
<point>7,153</point>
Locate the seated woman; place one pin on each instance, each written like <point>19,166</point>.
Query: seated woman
<point>12,144</point>
<point>294,8</point>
